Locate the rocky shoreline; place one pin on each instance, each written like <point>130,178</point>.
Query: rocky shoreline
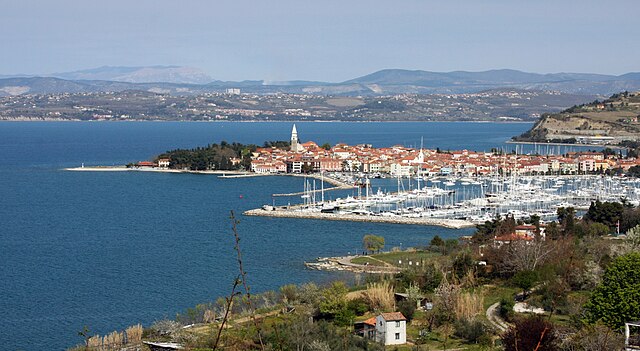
<point>344,264</point>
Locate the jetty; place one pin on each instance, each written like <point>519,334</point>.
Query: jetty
<point>345,264</point>
<point>295,213</point>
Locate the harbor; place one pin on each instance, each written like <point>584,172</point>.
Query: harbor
<point>454,202</point>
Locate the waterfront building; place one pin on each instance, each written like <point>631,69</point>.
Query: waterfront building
<point>405,162</point>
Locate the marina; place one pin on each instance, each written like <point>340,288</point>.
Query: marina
<point>456,202</point>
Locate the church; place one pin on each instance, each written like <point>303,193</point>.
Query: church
<point>295,143</point>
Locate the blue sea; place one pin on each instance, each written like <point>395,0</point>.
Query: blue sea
<point>112,249</point>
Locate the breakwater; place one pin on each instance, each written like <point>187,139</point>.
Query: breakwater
<point>292,213</point>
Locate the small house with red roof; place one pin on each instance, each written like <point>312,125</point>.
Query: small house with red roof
<point>391,328</point>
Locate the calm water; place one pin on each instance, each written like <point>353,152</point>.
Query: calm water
<point>108,250</point>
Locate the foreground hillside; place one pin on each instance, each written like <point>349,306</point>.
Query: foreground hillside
<point>615,120</point>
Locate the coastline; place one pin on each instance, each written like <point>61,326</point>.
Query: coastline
<point>344,264</point>
<point>225,174</point>
<point>30,119</point>
<point>563,144</point>
<point>158,170</point>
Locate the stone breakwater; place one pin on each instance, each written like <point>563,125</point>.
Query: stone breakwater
<point>285,213</point>
<point>345,264</point>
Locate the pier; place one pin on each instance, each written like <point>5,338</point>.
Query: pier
<point>293,213</point>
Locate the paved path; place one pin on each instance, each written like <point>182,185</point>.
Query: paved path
<point>495,319</point>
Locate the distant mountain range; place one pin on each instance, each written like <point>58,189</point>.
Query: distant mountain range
<point>187,80</point>
<point>153,74</point>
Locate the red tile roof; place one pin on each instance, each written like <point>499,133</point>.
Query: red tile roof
<point>393,316</point>
<point>371,321</point>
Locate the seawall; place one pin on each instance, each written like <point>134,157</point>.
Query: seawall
<point>440,222</point>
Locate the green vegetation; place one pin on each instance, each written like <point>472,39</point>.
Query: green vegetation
<point>372,243</point>
<point>223,156</point>
<point>586,281</point>
<point>617,299</point>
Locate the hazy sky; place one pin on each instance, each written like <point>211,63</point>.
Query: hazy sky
<point>324,40</point>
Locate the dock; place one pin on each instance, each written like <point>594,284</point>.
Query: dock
<point>289,213</point>
<point>243,175</point>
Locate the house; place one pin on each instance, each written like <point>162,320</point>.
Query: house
<point>506,239</point>
<point>366,329</point>
<point>163,162</point>
<point>391,328</point>
<point>146,164</point>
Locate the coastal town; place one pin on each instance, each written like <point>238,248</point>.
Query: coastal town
<point>402,161</point>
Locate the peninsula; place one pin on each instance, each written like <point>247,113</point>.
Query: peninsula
<point>613,121</point>
<point>453,189</point>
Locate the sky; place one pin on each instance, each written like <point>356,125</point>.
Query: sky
<point>324,40</point>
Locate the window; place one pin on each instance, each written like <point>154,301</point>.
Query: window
<point>397,324</point>
<point>397,336</point>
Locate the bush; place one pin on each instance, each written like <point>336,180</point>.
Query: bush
<point>473,331</point>
<point>462,264</point>
<point>408,308</point>
<point>533,333</point>
<point>358,306</point>
<point>506,309</point>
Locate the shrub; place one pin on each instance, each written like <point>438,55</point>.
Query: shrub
<point>533,333</point>
<point>164,327</point>
<point>506,309</point>
<point>408,308</point>
<point>358,306</point>
<point>289,293</point>
<point>473,331</point>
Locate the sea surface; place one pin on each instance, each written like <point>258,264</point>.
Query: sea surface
<point>112,249</point>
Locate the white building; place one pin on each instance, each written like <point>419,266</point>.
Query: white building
<point>295,143</point>
<point>391,328</point>
<point>401,170</point>
<point>164,163</point>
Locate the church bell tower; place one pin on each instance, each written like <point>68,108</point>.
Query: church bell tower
<point>294,140</point>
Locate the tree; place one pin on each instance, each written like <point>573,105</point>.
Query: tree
<point>530,334</point>
<point>596,338</point>
<point>408,308</point>
<point>436,241</point>
<point>334,299</point>
<point>527,256</point>
<point>633,238</point>
<point>326,146</point>
<point>567,219</point>
<point>617,299</point>
<point>372,243</point>
<point>525,280</point>
<point>607,213</point>
<point>462,264</point>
